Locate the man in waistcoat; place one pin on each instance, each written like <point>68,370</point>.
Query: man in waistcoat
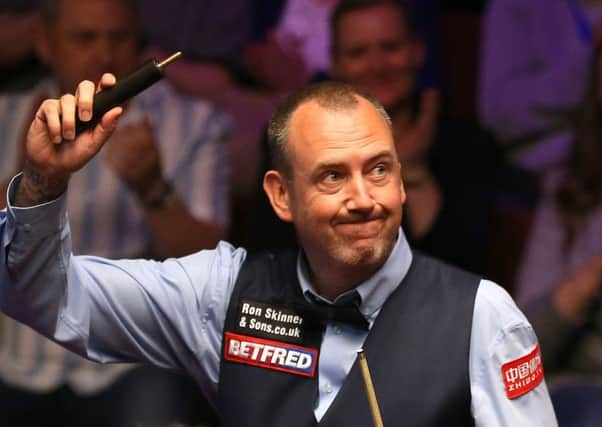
<point>272,338</point>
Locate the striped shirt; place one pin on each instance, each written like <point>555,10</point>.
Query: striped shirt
<point>105,219</point>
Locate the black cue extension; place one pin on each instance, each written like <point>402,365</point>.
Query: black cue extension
<point>148,73</point>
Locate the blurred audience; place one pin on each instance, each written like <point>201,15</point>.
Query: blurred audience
<point>19,66</point>
<point>533,67</point>
<point>560,282</point>
<point>160,189</point>
<point>298,47</point>
<point>448,166</point>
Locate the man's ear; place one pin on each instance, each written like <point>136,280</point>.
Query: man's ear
<point>402,190</point>
<point>275,187</point>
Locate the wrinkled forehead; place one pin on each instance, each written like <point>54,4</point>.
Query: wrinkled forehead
<point>323,114</point>
<point>317,131</point>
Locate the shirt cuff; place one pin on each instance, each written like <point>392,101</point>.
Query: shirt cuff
<point>39,220</point>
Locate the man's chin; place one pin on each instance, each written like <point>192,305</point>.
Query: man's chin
<point>367,251</point>
<point>361,253</point>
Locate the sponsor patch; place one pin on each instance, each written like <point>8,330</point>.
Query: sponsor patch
<point>279,356</point>
<point>269,321</point>
<point>523,374</point>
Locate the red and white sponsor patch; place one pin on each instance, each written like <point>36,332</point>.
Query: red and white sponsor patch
<point>523,374</point>
<point>276,355</point>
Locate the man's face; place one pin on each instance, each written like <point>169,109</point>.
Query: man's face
<point>88,38</point>
<point>374,50</point>
<point>345,195</point>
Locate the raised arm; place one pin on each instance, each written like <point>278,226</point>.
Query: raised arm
<point>168,314</point>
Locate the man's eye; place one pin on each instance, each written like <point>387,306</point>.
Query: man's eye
<point>380,173</point>
<point>331,180</point>
<point>332,176</point>
<point>379,170</point>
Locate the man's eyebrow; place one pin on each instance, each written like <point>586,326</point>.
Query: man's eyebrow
<point>327,165</point>
<point>384,154</point>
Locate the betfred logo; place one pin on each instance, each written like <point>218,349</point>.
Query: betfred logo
<point>523,374</point>
<point>270,354</point>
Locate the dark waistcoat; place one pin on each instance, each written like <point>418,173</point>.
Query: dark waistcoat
<point>417,350</point>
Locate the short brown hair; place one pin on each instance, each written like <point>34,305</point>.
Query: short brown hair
<point>331,95</point>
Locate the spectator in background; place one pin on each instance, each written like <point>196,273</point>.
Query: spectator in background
<point>160,188</point>
<point>533,68</point>
<point>560,282</point>
<point>449,167</point>
<point>297,49</point>
<point>19,66</point>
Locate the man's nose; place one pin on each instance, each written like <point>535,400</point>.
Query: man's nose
<point>359,197</point>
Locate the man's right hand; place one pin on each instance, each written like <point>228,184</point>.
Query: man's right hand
<point>53,151</point>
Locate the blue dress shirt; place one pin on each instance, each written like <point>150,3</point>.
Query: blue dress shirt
<point>171,314</point>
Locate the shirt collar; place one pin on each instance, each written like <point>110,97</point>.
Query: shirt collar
<point>374,291</point>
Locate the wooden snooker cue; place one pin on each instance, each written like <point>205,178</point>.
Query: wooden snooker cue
<point>376,417</point>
